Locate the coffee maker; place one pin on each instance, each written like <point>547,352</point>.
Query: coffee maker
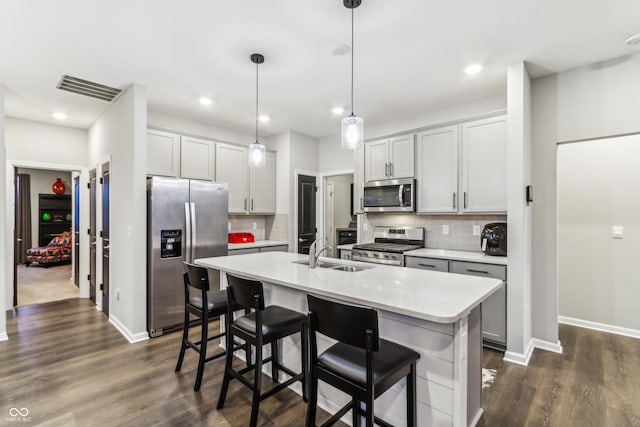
<point>493,239</point>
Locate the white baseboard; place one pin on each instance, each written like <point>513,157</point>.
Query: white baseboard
<point>520,358</point>
<point>555,347</point>
<point>618,330</point>
<point>130,336</point>
<point>4,336</point>
<point>475,419</point>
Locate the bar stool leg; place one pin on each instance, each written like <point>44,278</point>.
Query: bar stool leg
<point>227,368</point>
<point>412,415</point>
<point>274,360</point>
<point>257,382</point>
<point>369,413</point>
<point>313,402</point>
<point>355,413</point>
<point>305,361</point>
<point>185,337</point>
<point>203,353</point>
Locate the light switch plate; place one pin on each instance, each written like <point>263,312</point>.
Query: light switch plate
<point>618,231</point>
<point>445,230</point>
<point>365,226</point>
<point>255,225</point>
<point>229,226</point>
<point>476,230</point>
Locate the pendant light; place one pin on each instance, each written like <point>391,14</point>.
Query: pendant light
<point>257,150</point>
<point>352,125</point>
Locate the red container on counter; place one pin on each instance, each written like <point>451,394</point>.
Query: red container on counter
<point>241,238</point>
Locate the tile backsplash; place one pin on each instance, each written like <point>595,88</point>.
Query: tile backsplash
<point>460,235</point>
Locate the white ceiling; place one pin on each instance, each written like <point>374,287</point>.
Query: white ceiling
<point>409,54</point>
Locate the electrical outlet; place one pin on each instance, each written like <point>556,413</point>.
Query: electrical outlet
<point>229,226</point>
<point>365,226</point>
<point>618,232</point>
<point>476,230</point>
<point>445,230</point>
<point>255,225</point>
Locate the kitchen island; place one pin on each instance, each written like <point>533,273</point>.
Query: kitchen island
<point>437,314</point>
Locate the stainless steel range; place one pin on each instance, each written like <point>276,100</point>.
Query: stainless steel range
<point>389,244</point>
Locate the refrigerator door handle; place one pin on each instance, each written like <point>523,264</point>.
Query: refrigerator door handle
<point>187,238</point>
<point>193,231</point>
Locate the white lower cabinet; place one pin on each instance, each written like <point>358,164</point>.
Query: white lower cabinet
<point>345,254</point>
<point>434,264</point>
<point>494,309</point>
<point>280,248</point>
<point>277,248</point>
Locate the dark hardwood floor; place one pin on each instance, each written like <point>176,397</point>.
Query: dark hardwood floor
<point>67,365</point>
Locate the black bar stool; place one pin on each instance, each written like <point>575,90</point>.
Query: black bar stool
<point>264,325</point>
<point>216,305</point>
<point>360,363</point>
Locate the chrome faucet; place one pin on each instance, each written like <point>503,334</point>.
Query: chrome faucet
<point>313,255</point>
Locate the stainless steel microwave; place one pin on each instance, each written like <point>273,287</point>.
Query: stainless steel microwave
<point>393,195</point>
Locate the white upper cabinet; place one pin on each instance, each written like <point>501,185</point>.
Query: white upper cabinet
<point>262,186</point>
<point>163,153</point>
<point>390,158</point>
<point>358,181</point>
<point>251,190</point>
<point>231,167</point>
<point>197,158</point>
<point>484,165</point>
<point>437,170</point>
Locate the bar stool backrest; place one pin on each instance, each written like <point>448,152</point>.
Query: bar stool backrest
<point>350,324</point>
<point>196,276</point>
<point>246,293</point>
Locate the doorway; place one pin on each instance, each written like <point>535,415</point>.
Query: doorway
<point>306,212</point>
<point>43,236</point>
<point>338,210</point>
<point>105,180</point>
<point>92,235</point>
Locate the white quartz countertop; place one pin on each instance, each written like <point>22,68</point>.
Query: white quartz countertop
<point>458,256</point>
<point>256,244</point>
<point>429,295</point>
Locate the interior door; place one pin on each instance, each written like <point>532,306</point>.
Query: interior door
<point>329,230</point>
<point>92,235</point>
<point>306,212</point>
<point>76,231</point>
<point>105,239</point>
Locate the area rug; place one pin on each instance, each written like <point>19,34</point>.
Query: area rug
<point>488,375</point>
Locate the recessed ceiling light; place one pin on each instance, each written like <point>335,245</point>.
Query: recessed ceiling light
<point>337,110</point>
<point>59,116</point>
<point>263,118</point>
<point>473,69</point>
<point>633,39</point>
<point>205,101</point>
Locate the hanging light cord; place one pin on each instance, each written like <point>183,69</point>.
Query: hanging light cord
<point>352,61</point>
<point>257,64</point>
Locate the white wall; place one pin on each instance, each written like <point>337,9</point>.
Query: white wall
<point>120,135</point>
<point>518,216</point>
<point>4,248</point>
<point>37,142</point>
<point>41,182</point>
<point>280,143</point>
<point>332,157</point>
<point>598,189</point>
<point>599,100</point>
<point>303,156</point>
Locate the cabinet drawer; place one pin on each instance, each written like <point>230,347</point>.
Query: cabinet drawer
<point>244,251</point>
<point>282,248</point>
<point>478,269</point>
<point>426,263</point>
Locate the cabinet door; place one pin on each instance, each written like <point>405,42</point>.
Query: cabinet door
<point>494,308</point>
<point>358,181</point>
<point>244,251</point>
<point>231,167</point>
<point>433,264</point>
<point>402,156</point>
<point>437,170</point>
<point>262,186</point>
<point>197,158</point>
<point>484,171</point>
<point>279,248</point>
<point>376,157</point>
<point>163,153</point>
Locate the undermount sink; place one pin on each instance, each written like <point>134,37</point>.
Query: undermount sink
<point>335,266</point>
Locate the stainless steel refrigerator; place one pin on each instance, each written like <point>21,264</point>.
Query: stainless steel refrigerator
<point>186,220</point>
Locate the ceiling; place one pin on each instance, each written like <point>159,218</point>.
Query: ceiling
<point>409,54</point>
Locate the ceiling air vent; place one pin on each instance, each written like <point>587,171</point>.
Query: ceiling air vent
<point>87,88</point>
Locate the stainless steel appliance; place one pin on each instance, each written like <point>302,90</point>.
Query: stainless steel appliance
<point>186,220</point>
<point>493,239</point>
<point>393,195</point>
<point>389,244</point>
<point>346,236</point>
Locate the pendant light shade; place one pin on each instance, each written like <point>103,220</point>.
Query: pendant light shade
<point>352,126</point>
<point>257,150</point>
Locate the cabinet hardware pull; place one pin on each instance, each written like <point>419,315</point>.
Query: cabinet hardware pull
<point>477,271</point>
<point>361,204</point>
<point>426,265</point>
<point>390,169</point>
<point>245,203</point>
<point>386,169</point>
<point>454,200</point>
<point>251,204</point>
<point>465,199</point>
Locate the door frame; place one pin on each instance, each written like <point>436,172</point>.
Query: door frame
<point>320,202</point>
<point>12,165</point>
<point>99,226</point>
<point>293,240</point>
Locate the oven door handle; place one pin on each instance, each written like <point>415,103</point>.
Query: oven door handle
<point>400,201</point>
<point>375,261</point>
